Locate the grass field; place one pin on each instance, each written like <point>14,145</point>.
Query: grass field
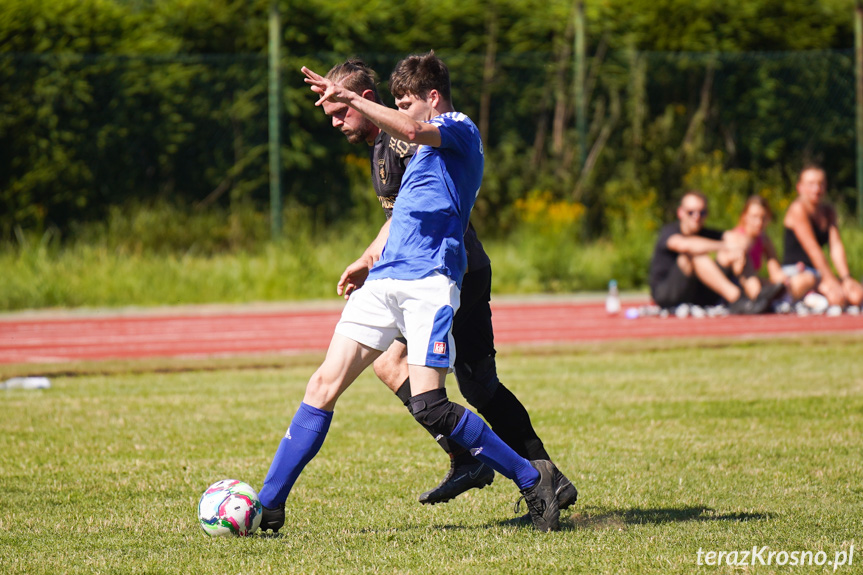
<point>674,447</point>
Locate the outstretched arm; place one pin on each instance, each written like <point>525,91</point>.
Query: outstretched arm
<point>697,245</point>
<point>391,121</point>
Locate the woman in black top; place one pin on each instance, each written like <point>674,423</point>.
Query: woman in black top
<point>810,224</point>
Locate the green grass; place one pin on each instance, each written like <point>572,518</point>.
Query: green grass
<point>673,447</point>
<point>82,275</point>
<point>163,255</point>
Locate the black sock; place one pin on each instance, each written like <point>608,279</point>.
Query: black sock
<point>510,421</point>
<point>404,392</point>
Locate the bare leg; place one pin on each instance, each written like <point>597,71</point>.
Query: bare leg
<point>833,291</point>
<point>853,292</point>
<point>425,378</point>
<point>751,286</point>
<point>801,284</point>
<point>735,261</point>
<point>711,275</point>
<point>345,361</point>
<point>392,366</point>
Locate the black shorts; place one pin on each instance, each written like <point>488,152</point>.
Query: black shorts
<point>472,328</point>
<point>678,288</point>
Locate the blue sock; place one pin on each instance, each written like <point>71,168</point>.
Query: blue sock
<point>301,443</point>
<point>472,433</point>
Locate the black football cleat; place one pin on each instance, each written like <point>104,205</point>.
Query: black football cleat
<point>272,518</point>
<point>459,478</point>
<point>541,499</point>
<point>566,492</point>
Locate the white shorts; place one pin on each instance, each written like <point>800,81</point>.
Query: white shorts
<point>420,310</point>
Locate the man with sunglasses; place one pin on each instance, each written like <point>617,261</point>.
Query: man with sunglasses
<point>684,271</point>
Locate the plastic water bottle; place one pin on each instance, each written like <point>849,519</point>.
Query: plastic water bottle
<point>26,383</point>
<point>612,301</point>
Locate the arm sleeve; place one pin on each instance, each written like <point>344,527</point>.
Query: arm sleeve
<point>454,132</point>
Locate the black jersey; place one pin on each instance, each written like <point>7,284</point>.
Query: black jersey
<point>794,252</point>
<point>389,158</point>
<point>664,259</point>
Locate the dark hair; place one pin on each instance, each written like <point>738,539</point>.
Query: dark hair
<point>356,76</point>
<point>419,74</point>
<point>756,200</point>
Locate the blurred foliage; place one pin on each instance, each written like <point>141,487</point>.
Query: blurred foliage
<point>108,107</point>
<point>158,254</point>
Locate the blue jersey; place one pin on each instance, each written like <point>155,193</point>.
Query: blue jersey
<point>431,215</point>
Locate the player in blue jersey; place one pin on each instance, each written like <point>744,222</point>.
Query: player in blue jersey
<point>413,290</point>
<point>475,367</point>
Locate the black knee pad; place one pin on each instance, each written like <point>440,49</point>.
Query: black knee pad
<point>477,381</point>
<point>436,412</point>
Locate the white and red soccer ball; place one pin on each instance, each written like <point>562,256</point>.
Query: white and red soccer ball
<point>229,507</point>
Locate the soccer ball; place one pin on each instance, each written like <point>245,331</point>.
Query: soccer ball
<point>229,507</point>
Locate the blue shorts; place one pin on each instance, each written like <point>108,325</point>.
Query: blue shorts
<point>791,270</point>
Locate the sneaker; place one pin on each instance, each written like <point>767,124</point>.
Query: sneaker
<point>541,499</point>
<point>272,518</point>
<point>460,478</point>
<point>782,306</point>
<point>717,311</point>
<point>769,294</point>
<point>566,492</point>
<point>761,304</point>
<point>743,306</point>
<point>816,302</point>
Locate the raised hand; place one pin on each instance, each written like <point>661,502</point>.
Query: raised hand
<point>325,88</point>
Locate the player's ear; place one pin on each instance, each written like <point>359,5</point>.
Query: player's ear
<point>433,98</point>
<point>369,95</point>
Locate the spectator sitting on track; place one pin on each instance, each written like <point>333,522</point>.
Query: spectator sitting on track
<point>810,224</point>
<point>683,270</point>
<point>759,251</point>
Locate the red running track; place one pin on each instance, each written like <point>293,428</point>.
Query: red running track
<point>201,332</point>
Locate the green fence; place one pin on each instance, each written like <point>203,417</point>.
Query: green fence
<point>81,133</point>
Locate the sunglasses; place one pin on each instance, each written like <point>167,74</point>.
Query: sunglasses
<point>693,213</point>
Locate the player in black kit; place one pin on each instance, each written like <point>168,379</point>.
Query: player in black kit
<point>475,367</point>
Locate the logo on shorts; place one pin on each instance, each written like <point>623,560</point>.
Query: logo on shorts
<point>440,347</point>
